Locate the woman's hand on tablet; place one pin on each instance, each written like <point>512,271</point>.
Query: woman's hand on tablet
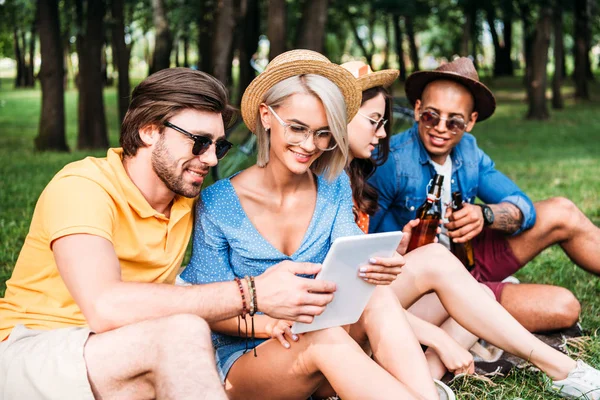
<point>382,270</point>
<point>281,330</point>
<point>407,230</point>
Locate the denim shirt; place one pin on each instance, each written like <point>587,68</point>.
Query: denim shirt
<point>402,181</point>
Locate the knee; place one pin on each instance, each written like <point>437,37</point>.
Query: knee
<point>186,328</point>
<point>567,308</point>
<point>433,263</point>
<point>383,297</point>
<point>561,213</point>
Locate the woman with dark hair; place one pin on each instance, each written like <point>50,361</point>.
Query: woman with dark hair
<point>434,287</point>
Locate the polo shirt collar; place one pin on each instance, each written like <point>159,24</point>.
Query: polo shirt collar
<point>181,205</point>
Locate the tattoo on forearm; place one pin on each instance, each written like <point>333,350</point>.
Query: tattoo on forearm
<point>507,217</point>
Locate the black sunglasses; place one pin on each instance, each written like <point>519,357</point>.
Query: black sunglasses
<point>202,143</point>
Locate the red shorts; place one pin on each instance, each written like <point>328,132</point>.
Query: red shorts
<point>494,260</point>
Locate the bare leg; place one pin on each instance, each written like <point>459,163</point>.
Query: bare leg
<point>434,268</point>
<point>166,358</point>
<point>295,373</point>
<point>541,308</point>
<point>393,342</point>
<point>430,309</point>
<point>559,221</point>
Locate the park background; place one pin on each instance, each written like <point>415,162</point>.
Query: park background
<point>67,68</point>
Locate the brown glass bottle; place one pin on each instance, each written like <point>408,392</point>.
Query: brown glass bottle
<point>429,215</point>
<point>462,251</point>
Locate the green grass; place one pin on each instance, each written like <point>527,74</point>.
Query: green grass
<point>559,157</point>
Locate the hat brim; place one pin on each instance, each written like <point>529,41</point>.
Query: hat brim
<point>383,78</point>
<point>342,78</point>
<point>485,102</point>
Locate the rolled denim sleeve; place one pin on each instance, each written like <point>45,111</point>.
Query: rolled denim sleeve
<point>495,187</point>
<point>385,181</point>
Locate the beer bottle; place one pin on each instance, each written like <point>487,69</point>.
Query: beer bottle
<point>429,215</point>
<point>462,251</point>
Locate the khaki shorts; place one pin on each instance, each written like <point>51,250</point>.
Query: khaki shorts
<point>47,365</point>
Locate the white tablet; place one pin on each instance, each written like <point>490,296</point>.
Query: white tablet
<point>341,266</point>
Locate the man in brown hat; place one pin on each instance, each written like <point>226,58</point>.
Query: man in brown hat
<point>507,230</point>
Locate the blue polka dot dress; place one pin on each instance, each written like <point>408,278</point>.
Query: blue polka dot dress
<point>226,244</point>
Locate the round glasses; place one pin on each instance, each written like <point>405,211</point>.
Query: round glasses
<point>376,124</point>
<point>202,143</point>
<point>431,119</point>
<point>296,134</point>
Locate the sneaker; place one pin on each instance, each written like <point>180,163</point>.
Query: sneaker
<point>444,391</point>
<point>583,382</point>
<point>511,279</point>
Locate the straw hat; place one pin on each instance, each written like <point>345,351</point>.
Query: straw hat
<point>299,62</point>
<point>460,70</point>
<point>368,79</point>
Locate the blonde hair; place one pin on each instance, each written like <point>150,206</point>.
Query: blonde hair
<point>331,163</point>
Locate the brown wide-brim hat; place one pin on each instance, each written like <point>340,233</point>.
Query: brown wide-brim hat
<point>293,63</point>
<point>368,79</point>
<point>462,71</point>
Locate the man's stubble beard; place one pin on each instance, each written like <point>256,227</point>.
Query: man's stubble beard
<point>165,168</point>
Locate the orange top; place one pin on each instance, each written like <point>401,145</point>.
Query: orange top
<point>93,196</point>
<point>363,220</point>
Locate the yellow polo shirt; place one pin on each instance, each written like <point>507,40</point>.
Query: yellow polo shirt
<point>92,196</point>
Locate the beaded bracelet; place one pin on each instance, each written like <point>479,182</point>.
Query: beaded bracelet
<point>252,290</point>
<point>244,308</point>
<point>251,296</point>
<point>254,294</point>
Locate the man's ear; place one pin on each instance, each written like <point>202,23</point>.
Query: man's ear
<point>472,121</point>
<point>149,134</point>
<point>265,116</point>
<point>417,108</point>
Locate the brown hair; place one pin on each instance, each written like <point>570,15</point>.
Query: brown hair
<point>167,92</point>
<point>359,170</point>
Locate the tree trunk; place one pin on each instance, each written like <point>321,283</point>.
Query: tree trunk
<point>276,30</point>
<point>248,43</point>
<point>92,121</point>
<point>51,132</point>
<point>466,35</point>
<point>311,34</point>
<point>581,50</point>
<point>388,39</point>
<point>20,76</point>
<point>121,54</point>
<point>507,21</point>
<point>186,50</point>
<point>502,61</point>
<point>410,32</point>
<point>559,52</point>
<point>205,35</point>
<point>31,66</point>
<point>221,56</point>
<point>163,42</point>
<point>528,36</point>
<point>538,109</point>
<point>474,35</point>
<point>368,55</point>
<point>176,45</point>
<point>399,46</point>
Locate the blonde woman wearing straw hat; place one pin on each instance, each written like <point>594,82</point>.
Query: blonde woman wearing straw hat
<point>434,269</point>
<point>291,206</point>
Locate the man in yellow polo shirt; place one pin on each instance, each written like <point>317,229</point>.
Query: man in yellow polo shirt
<point>90,310</point>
